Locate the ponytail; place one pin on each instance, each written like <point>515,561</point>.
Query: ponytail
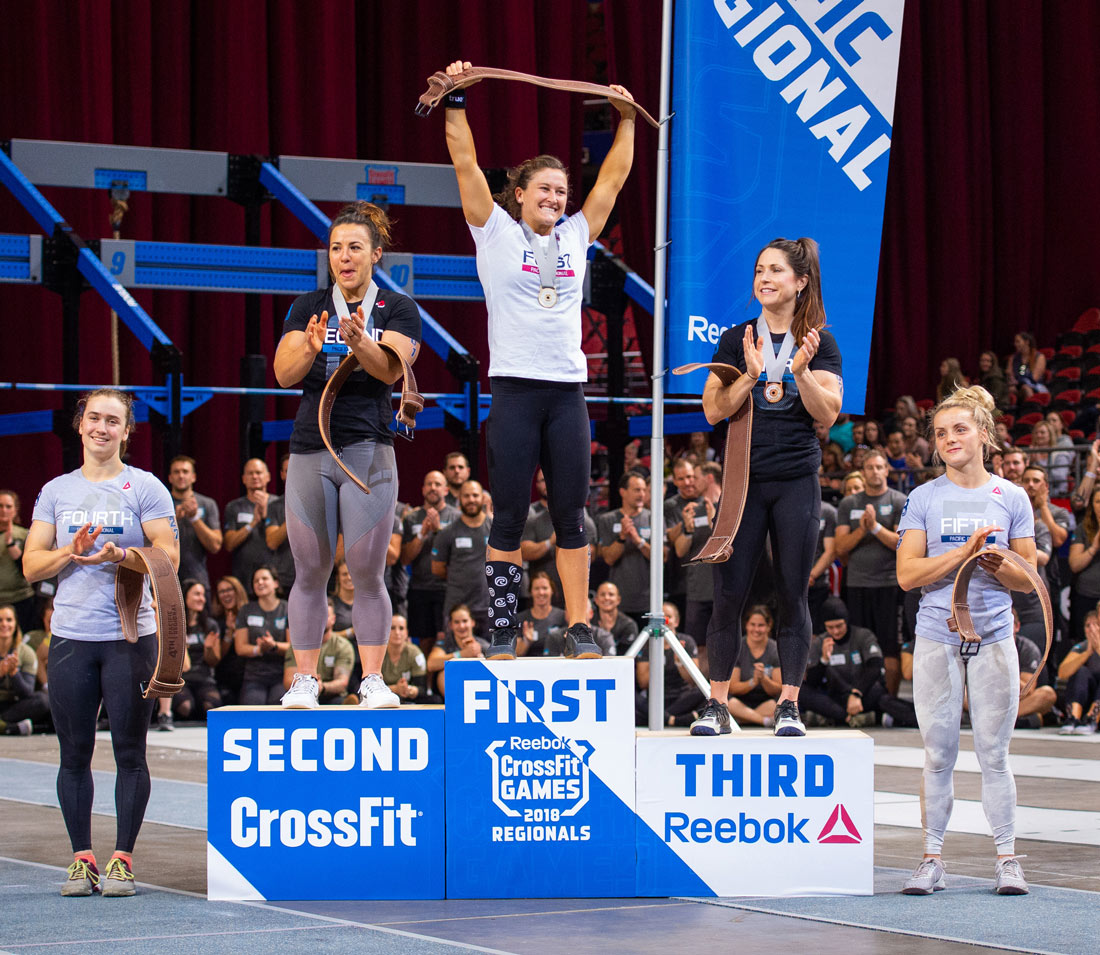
<point>371,217</point>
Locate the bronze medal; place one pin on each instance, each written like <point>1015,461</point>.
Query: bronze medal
<point>773,391</point>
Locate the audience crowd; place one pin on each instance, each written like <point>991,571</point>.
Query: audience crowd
<point>238,642</point>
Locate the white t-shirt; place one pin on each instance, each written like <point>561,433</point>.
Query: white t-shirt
<point>525,339</point>
<point>84,607</point>
<point>948,515</point>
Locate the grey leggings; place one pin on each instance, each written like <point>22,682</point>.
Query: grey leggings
<point>320,501</point>
<point>992,683</point>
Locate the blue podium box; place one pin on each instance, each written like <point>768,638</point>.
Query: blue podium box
<point>751,814</point>
<point>332,803</point>
<point>540,778</point>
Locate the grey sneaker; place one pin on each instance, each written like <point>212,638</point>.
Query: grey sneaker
<point>503,646</point>
<point>1068,728</point>
<point>118,880</point>
<point>165,723</point>
<point>580,644</point>
<point>787,722</point>
<point>713,721</point>
<point>375,695</point>
<point>83,879</point>
<point>1009,877</point>
<point>303,693</point>
<point>928,877</point>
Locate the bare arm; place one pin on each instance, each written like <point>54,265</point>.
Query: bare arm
<point>297,349</point>
<point>41,560</point>
<point>613,171</point>
<point>439,568</point>
<point>275,536</point>
<point>393,552</point>
<point>1081,556</point>
<point>828,555</point>
<point>720,401</point>
<point>473,189</point>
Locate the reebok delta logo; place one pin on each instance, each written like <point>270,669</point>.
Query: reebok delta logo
<point>839,828</point>
<point>997,491</point>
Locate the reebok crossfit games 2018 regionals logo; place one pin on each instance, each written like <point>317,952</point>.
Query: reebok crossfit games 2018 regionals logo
<point>540,782</point>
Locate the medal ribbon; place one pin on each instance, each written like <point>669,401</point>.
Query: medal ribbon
<point>775,363</point>
<point>545,255</point>
<point>335,353</point>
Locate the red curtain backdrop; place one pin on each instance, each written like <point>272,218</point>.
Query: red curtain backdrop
<point>991,210</point>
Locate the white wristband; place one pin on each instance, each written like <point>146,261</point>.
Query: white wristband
<point>1090,474</point>
<point>875,530</point>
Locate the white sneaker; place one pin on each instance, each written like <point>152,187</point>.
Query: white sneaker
<point>926,879</point>
<point>1009,877</point>
<point>375,695</point>
<point>302,694</point>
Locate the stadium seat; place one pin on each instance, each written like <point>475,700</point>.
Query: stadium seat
<point>1088,320</point>
<point>1069,351</point>
<point>1023,441</point>
<point>1071,373</point>
<point>1077,435</point>
<point>1069,398</point>
<point>1027,420</point>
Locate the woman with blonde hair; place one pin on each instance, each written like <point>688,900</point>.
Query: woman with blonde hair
<point>946,522</point>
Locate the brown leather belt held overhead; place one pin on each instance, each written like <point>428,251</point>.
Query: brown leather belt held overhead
<point>167,677</point>
<point>963,624</point>
<point>440,84</point>
<point>412,403</point>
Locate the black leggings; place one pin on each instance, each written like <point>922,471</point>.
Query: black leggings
<point>531,424</point>
<point>83,673</point>
<point>788,512</point>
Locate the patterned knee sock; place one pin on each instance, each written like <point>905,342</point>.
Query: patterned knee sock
<point>504,582</point>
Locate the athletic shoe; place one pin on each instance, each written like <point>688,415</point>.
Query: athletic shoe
<point>165,723</point>
<point>713,721</point>
<point>503,646</point>
<point>1084,728</point>
<point>1069,727</point>
<point>580,644</point>
<point>1090,722</point>
<point>83,879</point>
<point>375,695</point>
<point>1009,877</point>
<point>928,877</point>
<point>24,728</point>
<point>786,718</point>
<point>859,720</point>
<point>118,880</point>
<point>303,693</point>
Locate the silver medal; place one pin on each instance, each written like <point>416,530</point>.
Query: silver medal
<point>548,297</point>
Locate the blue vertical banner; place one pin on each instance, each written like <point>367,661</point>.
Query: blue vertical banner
<point>783,113</point>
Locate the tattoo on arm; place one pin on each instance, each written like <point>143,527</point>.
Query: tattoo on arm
<point>840,385</point>
<point>175,528</point>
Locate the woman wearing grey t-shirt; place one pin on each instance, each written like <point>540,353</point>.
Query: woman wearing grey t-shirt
<point>944,523</point>
<point>84,522</point>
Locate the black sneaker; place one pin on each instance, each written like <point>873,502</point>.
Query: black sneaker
<point>713,721</point>
<point>165,723</point>
<point>504,643</point>
<point>580,644</point>
<point>786,718</point>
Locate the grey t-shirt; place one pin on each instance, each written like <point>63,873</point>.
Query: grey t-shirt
<point>948,514</point>
<point>698,578</point>
<point>630,573</point>
<point>1028,607</point>
<point>462,549</point>
<point>421,576</point>
<point>539,528</point>
<point>192,553</point>
<point>1087,581</point>
<point>746,660</point>
<point>253,551</point>
<point>872,563</point>
<point>550,626</point>
<point>826,527</point>
<point>84,605</point>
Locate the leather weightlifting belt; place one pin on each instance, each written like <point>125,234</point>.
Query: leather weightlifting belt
<point>735,469</point>
<point>171,620</point>
<point>440,84</point>
<point>961,622</point>
<point>412,403</point>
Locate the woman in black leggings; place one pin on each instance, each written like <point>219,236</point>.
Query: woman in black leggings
<point>532,269</point>
<point>85,524</point>
<point>793,377</point>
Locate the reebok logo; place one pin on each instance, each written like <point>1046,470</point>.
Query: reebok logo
<point>126,486</point>
<point>996,490</point>
<point>839,828</point>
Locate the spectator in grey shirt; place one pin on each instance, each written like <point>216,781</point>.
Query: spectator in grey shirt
<point>458,557</point>
<point>197,517</point>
